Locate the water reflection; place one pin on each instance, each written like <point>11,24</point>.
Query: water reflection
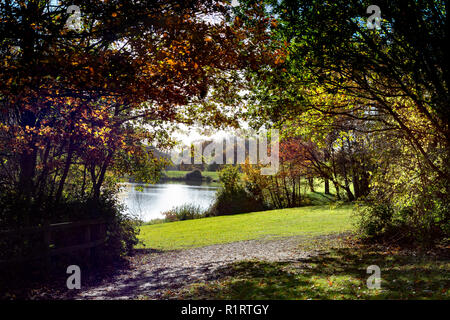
<point>154,199</point>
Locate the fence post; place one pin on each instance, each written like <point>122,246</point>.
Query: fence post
<point>87,239</point>
<point>47,241</point>
<point>45,233</point>
<point>103,230</point>
<point>101,235</point>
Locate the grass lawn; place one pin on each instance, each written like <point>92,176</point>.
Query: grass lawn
<point>337,269</point>
<point>338,272</point>
<point>308,221</point>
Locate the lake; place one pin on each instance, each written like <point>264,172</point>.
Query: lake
<point>153,200</point>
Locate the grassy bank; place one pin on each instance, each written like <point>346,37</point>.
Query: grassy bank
<point>180,175</point>
<point>308,221</point>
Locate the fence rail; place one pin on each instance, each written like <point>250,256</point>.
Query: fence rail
<point>90,240</point>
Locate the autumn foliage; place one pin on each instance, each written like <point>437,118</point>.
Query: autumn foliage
<point>79,106</point>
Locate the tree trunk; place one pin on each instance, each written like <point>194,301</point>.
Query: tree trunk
<point>355,181</point>
<point>62,181</point>
<point>338,194</point>
<point>311,184</point>
<point>350,195</point>
<point>327,186</point>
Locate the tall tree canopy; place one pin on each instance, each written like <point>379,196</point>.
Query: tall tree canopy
<point>382,88</point>
<point>76,102</point>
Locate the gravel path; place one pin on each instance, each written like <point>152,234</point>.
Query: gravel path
<point>152,273</point>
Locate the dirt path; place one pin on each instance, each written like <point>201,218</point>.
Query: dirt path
<point>152,273</point>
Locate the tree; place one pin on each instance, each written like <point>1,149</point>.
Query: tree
<point>389,84</point>
<point>77,104</point>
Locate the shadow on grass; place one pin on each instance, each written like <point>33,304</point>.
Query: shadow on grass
<point>320,198</point>
<point>338,274</point>
<point>34,281</point>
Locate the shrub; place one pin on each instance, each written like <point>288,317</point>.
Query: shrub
<point>402,225</point>
<point>230,179</point>
<point>239,201</point>
<point>121,232</point>
<point>233,198</point>
<point>184,212</point>
<point>194,175</point>
<point>410,205</point>
<point>212,167</point>
<point>374,219</point>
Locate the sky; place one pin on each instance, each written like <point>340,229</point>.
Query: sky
<point>188,135</point>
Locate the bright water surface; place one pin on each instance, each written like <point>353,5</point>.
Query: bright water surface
<point>157,198</point>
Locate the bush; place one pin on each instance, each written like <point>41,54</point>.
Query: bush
<point>233,198</point>
<point>194,175</point>
<point>213,167</point>
<point>184,212</point>
<point>121,231</point>
<point>404,225</point>
<point>233,203</point>
<point>230,179</point>
<point>374,220</point>
<point>408,206</point>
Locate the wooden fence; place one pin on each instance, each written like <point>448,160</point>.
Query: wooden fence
<point>57,239</point>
